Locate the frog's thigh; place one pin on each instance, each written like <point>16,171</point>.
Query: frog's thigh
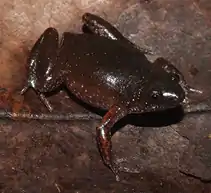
<point>101,27</point>
<point>44,50</point>
<point>50,72</point>
<point>42,57</point>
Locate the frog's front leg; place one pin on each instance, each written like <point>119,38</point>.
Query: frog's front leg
<point>101,27</point>
<point>104,135</point>
<point>42,75</point>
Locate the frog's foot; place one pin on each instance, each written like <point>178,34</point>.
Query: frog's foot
<point>42,97</point>
<point>104,136</point>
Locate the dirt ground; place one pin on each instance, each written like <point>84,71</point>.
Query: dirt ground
<point>156,153</point>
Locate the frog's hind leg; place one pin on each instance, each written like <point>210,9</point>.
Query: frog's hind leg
<point>41,62</point>
<point>101,27</point>
<point>104,135</point>
<point>97,25</point>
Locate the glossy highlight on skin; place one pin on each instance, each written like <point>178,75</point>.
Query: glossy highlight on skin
<point>105,70</point>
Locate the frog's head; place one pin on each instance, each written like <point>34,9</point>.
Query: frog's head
<point>167,87</point>
<point>163,95</point>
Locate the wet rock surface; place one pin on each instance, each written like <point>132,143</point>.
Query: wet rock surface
<point>162,152</point>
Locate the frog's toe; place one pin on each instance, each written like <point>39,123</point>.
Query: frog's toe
<point>115,172</point>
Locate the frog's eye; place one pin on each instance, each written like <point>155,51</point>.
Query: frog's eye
<point>155,94</point>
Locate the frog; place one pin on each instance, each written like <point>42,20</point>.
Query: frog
<point>105,70</point>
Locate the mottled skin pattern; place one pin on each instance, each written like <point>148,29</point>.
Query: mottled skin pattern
<point>104,70</point>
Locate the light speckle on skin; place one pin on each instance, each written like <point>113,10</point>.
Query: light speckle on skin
<point>111,79</point>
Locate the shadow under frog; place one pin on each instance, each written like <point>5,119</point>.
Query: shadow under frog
<point>159,118</point>
<point>103,69</point>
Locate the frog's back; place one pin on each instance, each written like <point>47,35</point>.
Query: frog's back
<point>104,69</point>
<point>101,52</point>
